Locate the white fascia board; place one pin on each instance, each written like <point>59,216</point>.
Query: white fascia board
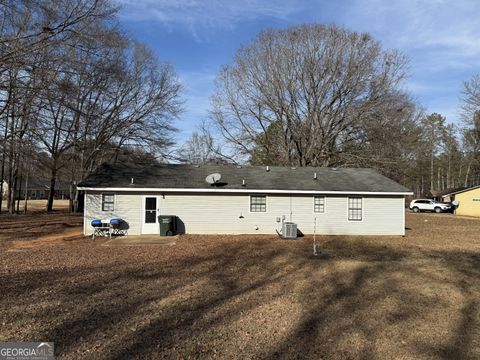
<point>249,191</point>
<point>460,191</point>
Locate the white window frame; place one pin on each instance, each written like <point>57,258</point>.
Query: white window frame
<point>324,204</point>
<point>112,202</point>
<point>250,203</point>
<point>348,208</point>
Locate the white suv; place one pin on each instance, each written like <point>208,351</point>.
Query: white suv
<point>428,205</point>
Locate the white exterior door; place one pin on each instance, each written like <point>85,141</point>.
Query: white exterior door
<point>151,207</point>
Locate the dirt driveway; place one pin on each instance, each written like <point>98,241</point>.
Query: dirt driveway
<point>249,297</point>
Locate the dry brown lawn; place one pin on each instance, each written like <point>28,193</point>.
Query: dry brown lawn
<point>38,205</point>
<point>246,297</point>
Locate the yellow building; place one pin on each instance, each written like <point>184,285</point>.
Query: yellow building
<point>467,200</point>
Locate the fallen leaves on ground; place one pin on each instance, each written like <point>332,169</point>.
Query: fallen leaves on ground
<point>245,296</point>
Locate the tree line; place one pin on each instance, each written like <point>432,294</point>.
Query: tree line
<point>76,90</point>
<point>316,95</point>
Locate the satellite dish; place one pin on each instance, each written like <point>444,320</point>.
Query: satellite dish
<point>212,179</point>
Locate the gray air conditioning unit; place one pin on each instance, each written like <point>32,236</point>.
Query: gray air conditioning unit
<point>289,230</point>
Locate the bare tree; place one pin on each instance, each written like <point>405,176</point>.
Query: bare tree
<point>433,128</point>
<point>298,96</point>
<point>119,97</point>
<point>389,140</point>
<point>199,149</point>
<point>30,33</point>
<point>29,26</point>
<point>135,103</point>
<point>471,143</point>
<point>451,158</point>
<point>72,82</point>
<point>20,89</point>
<point>470,112</point>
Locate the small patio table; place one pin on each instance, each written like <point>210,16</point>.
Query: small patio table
<point>103,230</point>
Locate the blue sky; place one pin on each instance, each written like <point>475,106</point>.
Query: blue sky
<point>440,38</point>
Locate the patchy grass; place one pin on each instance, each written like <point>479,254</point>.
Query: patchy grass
<point>38,229</point>
<point>38,205</point>
<point>246,296</point>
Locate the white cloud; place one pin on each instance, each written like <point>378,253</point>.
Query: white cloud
<point>440,37</point>
<point>433,29</point>
<point>196,14</point>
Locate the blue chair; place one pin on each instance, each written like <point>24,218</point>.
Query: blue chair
<point>117,228</point>
<point>100,228</point>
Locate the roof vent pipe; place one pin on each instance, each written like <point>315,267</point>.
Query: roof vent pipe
<point>243,182</point>
<point>267,168</point>
<point>315,176</point>
<point>131,181</point>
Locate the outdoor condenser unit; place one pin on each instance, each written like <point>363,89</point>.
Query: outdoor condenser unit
<point>289,230</point>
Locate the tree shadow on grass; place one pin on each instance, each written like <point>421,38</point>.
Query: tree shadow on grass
<point>365,301</point>
<point>463,343</point>
<point>344,313</point>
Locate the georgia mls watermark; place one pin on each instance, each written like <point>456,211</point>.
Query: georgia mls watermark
<point>26,351</point>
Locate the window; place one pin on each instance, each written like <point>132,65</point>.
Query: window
<point>354,209</point>
<point>422,202</point>
<point>108,201</point>
<point>258,203</point>
<point>319,204</point>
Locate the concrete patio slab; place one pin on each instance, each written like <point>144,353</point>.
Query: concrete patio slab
<point>136,240</point>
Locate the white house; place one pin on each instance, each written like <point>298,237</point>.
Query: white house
<point>246,200</point>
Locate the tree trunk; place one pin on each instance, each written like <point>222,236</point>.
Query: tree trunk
<point>12,168</point>
<point>422,187</point>
<point>431,171</point>
<point>447,178</point>
<point>19,195</point>
<point>467,174</point>
<point>76,207</point>
<point>52,189</point>
<point>439,179</point>
<point>4,153</point>
<point>70,198</point>
<point>12,191</point>
<point>25,204</point>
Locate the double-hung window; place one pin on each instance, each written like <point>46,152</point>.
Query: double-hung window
<point>108,202</point>
<point>354,209</point>
<point>319,204</point>
<point>258,203</point>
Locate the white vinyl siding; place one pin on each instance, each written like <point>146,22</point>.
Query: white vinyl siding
<point>230,213</point>
<point>127,206</point>
<point>319,204</point>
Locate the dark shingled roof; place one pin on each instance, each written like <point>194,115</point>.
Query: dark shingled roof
<point>256,178</point>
